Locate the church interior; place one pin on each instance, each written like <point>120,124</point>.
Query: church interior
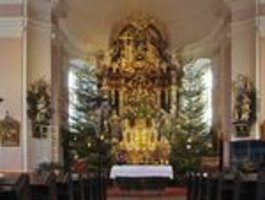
<point>137,99</point>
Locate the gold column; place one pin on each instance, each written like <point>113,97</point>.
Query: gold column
<point>166,98</point>
<point>121,100</point>
<point>173,99</point>
<point>112,93</point>
<point>158,94</point>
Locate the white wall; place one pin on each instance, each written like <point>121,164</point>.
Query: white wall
<point>39,53</point>
<point>244,49</point>
<point>11,91</point>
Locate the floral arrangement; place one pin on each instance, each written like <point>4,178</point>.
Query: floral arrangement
<point>40,109</point>
<point>46,167</point>
<point>79,166</point>
<point>245,101</point>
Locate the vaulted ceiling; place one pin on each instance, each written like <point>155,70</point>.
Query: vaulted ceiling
<point>90,22</point>
<point>184,21</point>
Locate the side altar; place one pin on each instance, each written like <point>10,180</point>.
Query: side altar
<point>141,81</point>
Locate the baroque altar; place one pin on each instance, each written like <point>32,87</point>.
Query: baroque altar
<point>141,82</point>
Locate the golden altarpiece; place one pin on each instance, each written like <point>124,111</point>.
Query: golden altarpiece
<point>141,83</point>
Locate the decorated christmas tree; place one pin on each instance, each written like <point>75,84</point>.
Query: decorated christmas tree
<point>89,144</point>
<point>191,137</point>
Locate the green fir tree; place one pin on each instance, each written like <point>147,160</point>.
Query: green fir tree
<point>88,140</point>
<point>191,134</point>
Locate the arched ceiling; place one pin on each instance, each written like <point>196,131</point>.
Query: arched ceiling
<point>90,22</point>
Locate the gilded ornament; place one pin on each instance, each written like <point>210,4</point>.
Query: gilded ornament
<point>139,72</point>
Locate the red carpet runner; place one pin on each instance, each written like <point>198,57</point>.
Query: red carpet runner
<point>171,191</point>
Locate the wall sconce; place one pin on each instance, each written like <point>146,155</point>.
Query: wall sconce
<point>1,99</point>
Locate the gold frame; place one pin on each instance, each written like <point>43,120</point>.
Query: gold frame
<point>9,132</point>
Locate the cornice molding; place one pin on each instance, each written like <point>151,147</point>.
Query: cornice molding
<point>59,9</point>
<point>40,10</point>
<point>241,10</point>
<point>261,26</point>
<point>11,10</point>
<point>260,18</point>
<point>261,9</point>
<point>11,2</point>
<point>11,27</point>
<point>244,24</point>
<point>243,14</point>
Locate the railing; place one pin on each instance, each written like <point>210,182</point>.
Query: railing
<point>247,150</point>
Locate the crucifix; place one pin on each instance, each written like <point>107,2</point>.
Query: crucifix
<point>128,46</point>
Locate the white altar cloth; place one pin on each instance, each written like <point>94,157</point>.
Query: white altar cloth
<point>141,171</point>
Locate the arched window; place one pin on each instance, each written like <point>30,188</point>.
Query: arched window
<point>207,77</point>
<point>196,96</point>
<point>81,83</point>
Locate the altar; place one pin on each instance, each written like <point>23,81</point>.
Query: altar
<point>141,171</point>
<point>142,177</point>
<point>140,81</point>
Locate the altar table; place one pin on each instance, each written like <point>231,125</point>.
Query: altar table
<point>141,171</point>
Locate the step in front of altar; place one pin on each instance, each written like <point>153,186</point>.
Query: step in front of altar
<point>142,184</point>
<point>167,192</point>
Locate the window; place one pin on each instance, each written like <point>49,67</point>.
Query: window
<point>81,79</point>
<point>196,94</point>
<point>205,64</point>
